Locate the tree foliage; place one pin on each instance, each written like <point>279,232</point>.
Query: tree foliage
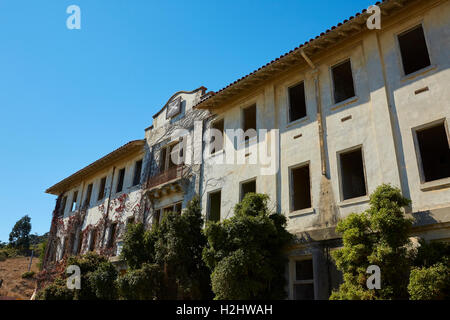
<point>145,283</point>
<point>19,237</point>
<point>138,246</point>
<point>245,253</point>
<point>173,249</point>
<point>378,236</point>
<point>98,278</point>
<point>430,276</point>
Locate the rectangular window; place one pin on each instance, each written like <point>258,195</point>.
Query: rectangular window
<point>297,102</point>
<point>80,242</point>
<point>434,152</point>
<point>249,120</point>
<point>214,206</point>
<point>137,173</point>
<point>247,187</point>
<point>343,81</point>
<point>62,208</point>
<point>156,217</point>
<point>73,207</point>
<point>130,220</point>
<point>217,142</point>
<point>93,240</point>
<point>119,187</point>
<point>300,188</point>
<point>101,191</point>
<point>414,51</point>
<point>177,208</point>
<point>352,174</point>
<point>112,235</point>
<point>304,280</point>
<point>87,202</point>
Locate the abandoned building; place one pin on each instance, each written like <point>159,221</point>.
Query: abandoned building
<point>352,109</point>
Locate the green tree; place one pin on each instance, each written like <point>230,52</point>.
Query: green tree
<point>378,236</point>
<point>145,283</point>
<point>430,276</point>
<point>138,246</point>
<point>178,250</point>
<point>19,237</point>
<point>245,252</point>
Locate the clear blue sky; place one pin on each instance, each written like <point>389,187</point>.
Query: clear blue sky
<point>68,97</point>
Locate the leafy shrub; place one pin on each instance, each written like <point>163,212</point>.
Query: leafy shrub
<point>98,277</point>
<point>378,236</point>
<point>245,252</point>
<point>430,283</point>
<point>145,283</point>
<point>103,281</point>
<point>179,246</point>
<point>138,246</point>
<point>56,291</point>
<point>3,256</point>
<point>28,275</point>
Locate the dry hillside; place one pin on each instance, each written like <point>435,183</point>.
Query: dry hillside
<point>14,287</point>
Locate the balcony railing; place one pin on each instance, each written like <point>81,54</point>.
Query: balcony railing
<point>170,174</point>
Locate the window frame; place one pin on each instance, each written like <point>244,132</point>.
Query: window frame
<point>221,119</point>
<point>241,196</point>
<point>102,189</point>
<point>248,106</point>
<point>291,185</point>
<point>293,275</point>
<point>135,172</point>
<point>403,31</point>
<point>428,125</point>
<point>74,204</point>
<point>339,169</point>
<point>124,170</point>
<point>208,205</point>
<point>289,121</point>
<point>333,89</point>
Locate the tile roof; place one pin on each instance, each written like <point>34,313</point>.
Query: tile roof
<point>360,16</point>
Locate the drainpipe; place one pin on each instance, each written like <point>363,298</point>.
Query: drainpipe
<point>315,74</point>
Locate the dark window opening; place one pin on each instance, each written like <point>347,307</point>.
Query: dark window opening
<point>248,187</point>
<point>304,280</point>
<point>120,180</point>
<point>217,145</point>
<point>63,206</point>
<point>414,51</point>
<point>250,120</point>
<point>434,152</point>
<point>130,220</point>
<point>343,82</point>
<point>137,173</point>
<point>156,217</point>
<point>352,174</point>
<point>88,195</point>
<point>177,208</point>
<point>297,102</point>
<point>80,242</point>
<point>301,188</point>
<point>112,235</point>
<point>101,192</point>
<point>214,206</point>
<point>93,240</point>
<point>74,201</point>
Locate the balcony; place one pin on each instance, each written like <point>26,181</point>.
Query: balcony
<point>172,174</point>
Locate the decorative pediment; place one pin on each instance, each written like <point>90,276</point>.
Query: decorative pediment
<point>173,108</point>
